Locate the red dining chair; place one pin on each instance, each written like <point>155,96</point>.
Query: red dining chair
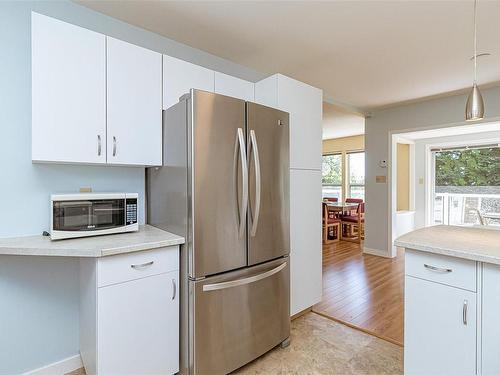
<point>353,200</point>
<point>331,226</point>
<point>355,222</point>
<point>332,214</point>
<point>331,199</point>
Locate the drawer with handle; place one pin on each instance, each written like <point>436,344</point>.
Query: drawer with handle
<point>460,273</point>
<point>131,266</point>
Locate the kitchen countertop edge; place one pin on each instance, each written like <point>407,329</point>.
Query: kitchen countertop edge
<point>147,238</point>
<point>483,248</point>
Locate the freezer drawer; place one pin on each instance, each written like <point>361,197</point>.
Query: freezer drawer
<point>239,316</point>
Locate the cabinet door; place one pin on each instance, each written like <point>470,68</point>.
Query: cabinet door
<point>490,319</point>
<point>234,87</point>
<point>134,127</point>
<point>180,76</point>
<point>138,326</point>
<point>68,92</point>
<point>305,241</point>
<point>440,329</point>
<point>305,105</point>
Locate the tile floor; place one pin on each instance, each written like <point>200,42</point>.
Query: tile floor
<point>320,346</point>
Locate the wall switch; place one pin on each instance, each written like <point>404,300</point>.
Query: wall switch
<point>421,181</point>
<point>85,190</point>
<point>380,179</point>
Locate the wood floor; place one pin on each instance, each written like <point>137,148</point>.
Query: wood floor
<point>363,291</point>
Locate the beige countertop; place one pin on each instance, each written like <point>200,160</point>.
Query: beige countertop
<point>146,238</point>
<point>481,244</point>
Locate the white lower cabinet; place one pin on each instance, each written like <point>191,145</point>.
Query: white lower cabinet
<point>491,320</point>
<point>440,328</point>
<point>137,326</point>
<point>130,326</point>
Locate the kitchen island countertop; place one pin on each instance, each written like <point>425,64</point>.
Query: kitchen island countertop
<point>148,237</point>
<point>480,244</point>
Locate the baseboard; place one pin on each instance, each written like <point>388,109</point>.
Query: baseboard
<point>59,368</point>
<point>380,253</point>
<point>300,313</point>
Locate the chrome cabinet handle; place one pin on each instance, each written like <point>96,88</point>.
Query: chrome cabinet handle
<point>140,266</point>
<point>255,150</point>
<point>246,280</point>
<point>99,145</point>
<point>437,269</point>
<point>174,289</point>
<point>243,205</point>
<point>114,146</point>
<point>464,313</point>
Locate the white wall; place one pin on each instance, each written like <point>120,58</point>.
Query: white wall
<point>442,112</point>
<point>39,296</point>
<point>421,168</point>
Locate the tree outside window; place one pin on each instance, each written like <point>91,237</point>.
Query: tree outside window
<point>332,176</point>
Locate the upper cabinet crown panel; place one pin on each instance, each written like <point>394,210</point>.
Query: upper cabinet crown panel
<point>180,76</point>
<point>235,87</point>
<point>68,92</point>
<point>304,103</point>
<point>134,104</point>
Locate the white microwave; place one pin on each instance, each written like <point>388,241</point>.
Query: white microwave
<point>92,214</point>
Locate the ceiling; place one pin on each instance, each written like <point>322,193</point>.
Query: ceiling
<point>339,122</point>
<point>366,54</point>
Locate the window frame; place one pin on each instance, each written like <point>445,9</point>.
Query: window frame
<point>342,177</point>
<point>348,184</point>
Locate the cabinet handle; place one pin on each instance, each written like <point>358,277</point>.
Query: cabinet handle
<point>464,313</point>
<point>174,289</point>
<point>437,269</point>
<point>99,145</point>
<point>143,265</point>
<point>114,146</point>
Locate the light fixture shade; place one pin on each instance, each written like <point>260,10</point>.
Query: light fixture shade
<point>474,109</point>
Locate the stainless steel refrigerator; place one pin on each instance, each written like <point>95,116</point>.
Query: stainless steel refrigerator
<point>224,186</point>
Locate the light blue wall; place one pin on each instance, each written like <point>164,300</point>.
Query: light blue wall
<point>39,296</point>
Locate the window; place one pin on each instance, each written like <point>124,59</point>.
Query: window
<point>332,176</point>
<point>466,185</point>
<point>356,173</point>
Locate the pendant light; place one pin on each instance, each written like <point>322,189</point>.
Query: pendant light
<point>474,109</point>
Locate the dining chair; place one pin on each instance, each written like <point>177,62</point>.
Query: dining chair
<point>331,226</point>
<point>354,223</point>
<point>331,199</point>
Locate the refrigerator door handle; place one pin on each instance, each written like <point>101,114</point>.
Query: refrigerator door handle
<point>241,207</point>
<point>256,158</point>
<point>246,280</point>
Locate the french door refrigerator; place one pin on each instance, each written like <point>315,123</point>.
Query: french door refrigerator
<point>224,186</point>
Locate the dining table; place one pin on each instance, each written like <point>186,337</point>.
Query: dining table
<point>341,206</point>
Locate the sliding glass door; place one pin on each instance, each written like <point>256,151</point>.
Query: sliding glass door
<point>466,185</point>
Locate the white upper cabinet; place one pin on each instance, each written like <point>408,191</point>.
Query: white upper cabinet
<point>305,105</point>
<point>68,92</point>
<point>180,76</point>
<point>134,104</point>
<point>235,87</point>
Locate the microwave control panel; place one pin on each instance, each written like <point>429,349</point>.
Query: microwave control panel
<point>131,210</point>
